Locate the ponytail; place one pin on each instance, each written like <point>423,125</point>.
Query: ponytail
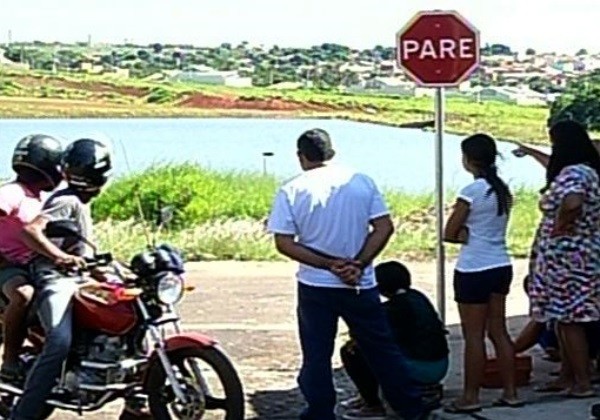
<point>480,151</point>
<point>497,185</point>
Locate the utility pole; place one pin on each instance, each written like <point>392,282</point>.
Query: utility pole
<point>9,38</point>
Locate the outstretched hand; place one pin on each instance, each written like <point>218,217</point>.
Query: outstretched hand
<point>521,150</point>
<point>349,271</point>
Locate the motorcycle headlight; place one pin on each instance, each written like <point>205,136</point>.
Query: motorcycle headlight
<point>169,289</point>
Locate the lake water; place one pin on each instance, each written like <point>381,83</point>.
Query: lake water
<point>394,157</point>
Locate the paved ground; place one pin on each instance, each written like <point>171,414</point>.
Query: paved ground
<point>249,307</point>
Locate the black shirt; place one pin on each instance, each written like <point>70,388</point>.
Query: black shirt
<point>416,325</point>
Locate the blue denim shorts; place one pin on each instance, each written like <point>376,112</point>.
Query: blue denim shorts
<point>477,287</point>
<point>8,273</point>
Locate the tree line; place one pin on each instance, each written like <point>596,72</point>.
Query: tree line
<point>580,101</point>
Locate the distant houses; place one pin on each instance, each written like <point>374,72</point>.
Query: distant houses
<point>384,86</point>
<point>398,86</point>
<point>502,76</point>
<point>208,76</point>
<point>519,96</point>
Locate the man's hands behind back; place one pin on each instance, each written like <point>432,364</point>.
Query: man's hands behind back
<point>349,271</point>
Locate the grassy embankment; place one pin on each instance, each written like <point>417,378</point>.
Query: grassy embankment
<point>44,95</point>
<point>221,215</point>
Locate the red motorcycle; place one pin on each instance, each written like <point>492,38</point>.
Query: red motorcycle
<point>128,342</point>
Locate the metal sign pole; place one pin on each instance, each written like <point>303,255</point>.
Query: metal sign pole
<point>439,188</point>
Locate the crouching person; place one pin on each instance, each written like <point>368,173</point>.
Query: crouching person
<point>418,331</point>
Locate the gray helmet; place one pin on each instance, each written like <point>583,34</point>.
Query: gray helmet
<point>40,153</point>
<point>86,164</point>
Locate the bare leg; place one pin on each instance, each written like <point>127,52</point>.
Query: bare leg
<point>503,345</point>
<point>576,351</point>
<point>528,336</point>
<point>565,379</point>
<point>473,319</point>
<point>19,294</point>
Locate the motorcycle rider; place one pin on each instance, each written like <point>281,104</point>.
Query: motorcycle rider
<point>35,161</point>
<point>86,165</point>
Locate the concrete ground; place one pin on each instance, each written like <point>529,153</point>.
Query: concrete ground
<point>249,308</point>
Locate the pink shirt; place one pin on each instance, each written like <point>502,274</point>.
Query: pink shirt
<point>21,206</point>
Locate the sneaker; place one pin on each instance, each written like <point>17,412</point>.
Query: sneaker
<point>354,402</point>
<point>372,413</point>
<point>12,374</point>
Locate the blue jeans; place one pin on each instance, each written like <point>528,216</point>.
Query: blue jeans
<point>55,312</point>
<point>318,311</point>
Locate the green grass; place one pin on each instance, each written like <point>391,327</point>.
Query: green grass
<point>221,215</point>
<point>198,195</point>
<point>505,121</point>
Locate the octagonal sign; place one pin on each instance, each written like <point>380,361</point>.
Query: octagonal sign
<point>438,48</point>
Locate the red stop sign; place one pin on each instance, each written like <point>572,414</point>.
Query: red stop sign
<point>438,48</point>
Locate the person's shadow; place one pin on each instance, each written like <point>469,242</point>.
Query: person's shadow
<point>287,404</point>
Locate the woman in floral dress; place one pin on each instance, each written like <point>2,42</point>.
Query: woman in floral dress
<point>566,270</point>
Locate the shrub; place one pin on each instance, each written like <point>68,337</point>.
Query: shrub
<point>197,194</point>
<point>160,95</point>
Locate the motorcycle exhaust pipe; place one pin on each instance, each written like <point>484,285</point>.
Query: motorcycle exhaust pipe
<point>10,389</point>
<point>61,405</point>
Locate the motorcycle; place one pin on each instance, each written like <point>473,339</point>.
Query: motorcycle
<point>128,343</point>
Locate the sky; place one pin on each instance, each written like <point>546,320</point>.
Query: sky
<point>549,25</point>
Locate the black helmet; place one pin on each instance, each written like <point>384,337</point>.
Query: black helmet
<point>162,258</point>
<point>86,164</point>
<point>40,153</point>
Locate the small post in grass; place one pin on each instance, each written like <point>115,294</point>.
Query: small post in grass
<point>265,156</point>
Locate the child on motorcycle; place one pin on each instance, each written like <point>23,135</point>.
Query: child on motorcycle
<point>85,166</point>
<point>36,161</point>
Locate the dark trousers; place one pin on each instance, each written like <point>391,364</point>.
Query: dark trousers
<point>359,371</point>
<point>318,311</point>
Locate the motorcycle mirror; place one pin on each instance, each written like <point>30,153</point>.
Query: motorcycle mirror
<point>165,215</point>
<point>62,229</point>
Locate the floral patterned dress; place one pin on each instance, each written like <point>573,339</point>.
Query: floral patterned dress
<point>565,285</point>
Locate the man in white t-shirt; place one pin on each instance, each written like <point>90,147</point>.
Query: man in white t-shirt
<point>334,222</point>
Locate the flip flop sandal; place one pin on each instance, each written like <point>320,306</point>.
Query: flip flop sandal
<point>12,376</point>
<point>501,402</point>
<point>581,395</point>
<point>549,388</point>
<point>454,408</point>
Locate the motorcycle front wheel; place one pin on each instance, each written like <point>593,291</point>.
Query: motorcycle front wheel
<point>186,363</point>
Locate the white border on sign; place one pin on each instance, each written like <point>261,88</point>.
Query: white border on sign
<point>458,16</point>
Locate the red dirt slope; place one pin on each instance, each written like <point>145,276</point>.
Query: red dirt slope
<point>199,100</point>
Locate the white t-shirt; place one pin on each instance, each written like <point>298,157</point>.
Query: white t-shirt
<point>328,209</point>
<point>486,247</point>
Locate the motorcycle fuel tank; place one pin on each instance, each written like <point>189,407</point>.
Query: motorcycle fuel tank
<point>101,308</point>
